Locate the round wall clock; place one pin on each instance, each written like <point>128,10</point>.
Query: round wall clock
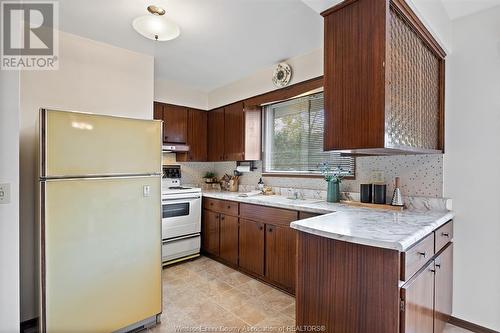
<point>282,75</point>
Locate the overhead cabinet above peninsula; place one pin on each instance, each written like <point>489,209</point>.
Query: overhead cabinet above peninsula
<point>384,80</point>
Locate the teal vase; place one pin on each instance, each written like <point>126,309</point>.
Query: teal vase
<point>333,192</point>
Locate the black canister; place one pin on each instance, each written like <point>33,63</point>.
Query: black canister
<point>379,194</point>
<point>365,193</point>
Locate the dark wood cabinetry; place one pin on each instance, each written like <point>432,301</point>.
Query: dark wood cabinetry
<point>252,246</point>
<point>234,122</point>
<point>216,135</point>
<point>281,254</point>
<point>418,298</point>
<point>234,133</point>
<point>197,135</point>
<point>357,288</point>
<point>443,288</point>
<point>176,121</point>
<point>383,81</point>
<point>210,229</point>
<point>256,239</point>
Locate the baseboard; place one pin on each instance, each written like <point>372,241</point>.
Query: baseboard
<point>29,326</point>
<point>470,326</point>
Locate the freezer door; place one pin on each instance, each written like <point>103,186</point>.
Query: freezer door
<point>76,144</point>
<point>100,253</point>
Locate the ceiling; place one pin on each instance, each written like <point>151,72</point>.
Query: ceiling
<point>461,8</point>
<point>221,40</point>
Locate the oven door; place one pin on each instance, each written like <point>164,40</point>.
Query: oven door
<point>181,215</point>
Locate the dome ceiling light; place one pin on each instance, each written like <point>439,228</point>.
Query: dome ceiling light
<point>155,26</point>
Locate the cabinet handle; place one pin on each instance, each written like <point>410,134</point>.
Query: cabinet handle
<point>438,265</point>
<point>270,229</point>
<point>222,217</point>
<point>432,270</point>
<point>423,254</point>
<point>228,207</point>
<point>445,234</point>
<point>260,228</point>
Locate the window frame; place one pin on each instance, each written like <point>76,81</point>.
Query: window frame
<point>291,174</point>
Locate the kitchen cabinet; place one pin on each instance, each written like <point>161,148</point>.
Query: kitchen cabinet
<point>210,228</point>
<point>175,121</point>
<point>443,288</point>
<point>383,81</point>
<point>197,136</point>
<point>216,135</point>
<point>402,292</point>
<point>281,254</point>
<point>234,133</point>
<point>251,246</point>
<point>229,239</point>
<point>418,303</point>
<point>256,239</point>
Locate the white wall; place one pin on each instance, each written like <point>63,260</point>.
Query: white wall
<point>472,166</point>
<point>92,77</point>
<point>178,94</point>
<point>304,67</point>
<point>9,213</point>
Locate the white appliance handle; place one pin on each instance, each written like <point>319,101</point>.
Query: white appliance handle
<point>191,197</point>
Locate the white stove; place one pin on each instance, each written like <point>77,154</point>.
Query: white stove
<point>181,217</point>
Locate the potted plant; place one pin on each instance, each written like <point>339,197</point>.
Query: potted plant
<point>333,177</point>
<point>209,177</point>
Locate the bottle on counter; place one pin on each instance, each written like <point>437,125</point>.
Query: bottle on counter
<point>260,185</point>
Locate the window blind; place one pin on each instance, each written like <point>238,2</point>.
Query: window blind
<point>294,138</point>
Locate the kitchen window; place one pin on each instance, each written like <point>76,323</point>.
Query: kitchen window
<point>293,138</point>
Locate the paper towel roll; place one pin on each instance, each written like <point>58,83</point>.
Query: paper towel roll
<point>243,168</point>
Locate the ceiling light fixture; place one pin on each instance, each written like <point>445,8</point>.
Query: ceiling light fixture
<point>155,26</point>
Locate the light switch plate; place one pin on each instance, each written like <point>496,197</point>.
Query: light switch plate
<point>146,191</point>
<point>4,193</point>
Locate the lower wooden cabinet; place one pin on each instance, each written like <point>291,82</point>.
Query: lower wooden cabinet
<point>210,228</point>
<point>443,288</point>
<point>228,235</point>
<point>251,246</point>
<point>281,255</point>
<point>418,302</point>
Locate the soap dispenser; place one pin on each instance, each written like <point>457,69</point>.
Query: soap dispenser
<point>260,185</point>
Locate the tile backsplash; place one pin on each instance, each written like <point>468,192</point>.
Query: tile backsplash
<point>421,175</point>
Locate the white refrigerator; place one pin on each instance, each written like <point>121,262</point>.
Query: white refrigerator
<point>99,221</point>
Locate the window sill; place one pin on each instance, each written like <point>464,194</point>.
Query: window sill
<point>298,175</point>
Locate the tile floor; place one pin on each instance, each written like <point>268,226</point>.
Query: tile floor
<point>205,296</point>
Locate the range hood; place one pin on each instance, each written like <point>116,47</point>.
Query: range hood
<point>175,148</point>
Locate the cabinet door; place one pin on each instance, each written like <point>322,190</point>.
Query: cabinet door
<point>281,252</point>
<point>234,131</point>
<point>175,119</point>
<point>210,232</point>
<point>251,246</point>
<point>417,315</point>
<point>229,239</point>
<point>444,286</point>
<point>197,135</point>
<point>158,115</point>
<point>216,135</point>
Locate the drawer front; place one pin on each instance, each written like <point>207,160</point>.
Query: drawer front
<point>443,236</point>
<point>270,215</point>
<point>416,257</point>
<point>221,206</point>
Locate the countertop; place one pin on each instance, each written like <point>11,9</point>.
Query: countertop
<point>373,227</point>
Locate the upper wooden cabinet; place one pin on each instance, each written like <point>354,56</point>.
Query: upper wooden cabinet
<point>383,81</point>
<point>234,133</point>
<point>196,137</point>
<point>216,135</point>
<point>175,121</point>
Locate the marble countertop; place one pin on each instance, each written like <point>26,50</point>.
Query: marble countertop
<point>373,227</point>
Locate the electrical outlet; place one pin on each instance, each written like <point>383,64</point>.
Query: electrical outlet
<point>4,193</point>
<point>377,176</point>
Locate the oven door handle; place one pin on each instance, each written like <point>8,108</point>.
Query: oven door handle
<point>180,199</point>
